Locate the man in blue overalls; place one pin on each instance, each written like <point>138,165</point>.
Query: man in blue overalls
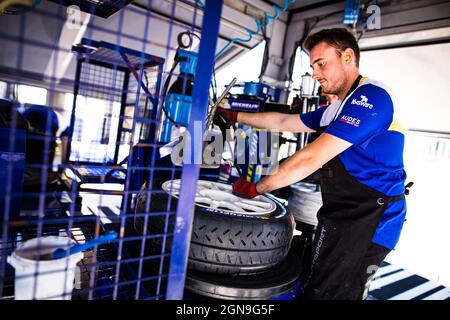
<point>360,155</point>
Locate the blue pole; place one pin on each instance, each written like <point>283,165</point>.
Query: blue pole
<point>190,172</point>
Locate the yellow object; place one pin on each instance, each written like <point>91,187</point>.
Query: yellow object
<point>397,126</point>
<point>249,173</point>
<point>361,81</point>
<point>5,4</point>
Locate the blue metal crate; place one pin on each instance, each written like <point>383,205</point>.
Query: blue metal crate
<point>102,61</point>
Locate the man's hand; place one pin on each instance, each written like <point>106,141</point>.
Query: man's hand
<point>225,117</point>
<point>304,162</point>
<point>245,189</point>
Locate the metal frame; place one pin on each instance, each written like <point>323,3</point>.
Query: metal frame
<point>75,95</point>
<point>103,10</point>
<point>84,51</point>
<point>190,172</point>
<point>168,284</point>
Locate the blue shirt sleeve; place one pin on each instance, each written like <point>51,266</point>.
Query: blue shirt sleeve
<point>367,112</point>
<point>312,119</point>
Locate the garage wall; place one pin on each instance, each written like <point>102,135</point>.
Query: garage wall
<point>419,76</point>
<point>397,17</point>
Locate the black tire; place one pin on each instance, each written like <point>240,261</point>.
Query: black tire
<point>267,285</point>
<point>221,243</point>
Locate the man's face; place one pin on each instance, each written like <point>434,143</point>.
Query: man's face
<point>328,68</point>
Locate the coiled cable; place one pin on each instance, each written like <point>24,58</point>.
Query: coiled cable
<point>259,26</point>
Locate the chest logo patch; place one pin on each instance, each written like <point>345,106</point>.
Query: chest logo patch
<point>350,120</point>
<point>363,102</point>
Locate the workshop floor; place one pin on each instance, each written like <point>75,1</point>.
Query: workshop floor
<point>394,283</point>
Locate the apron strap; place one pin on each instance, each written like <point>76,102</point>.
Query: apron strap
<point>384,200</point>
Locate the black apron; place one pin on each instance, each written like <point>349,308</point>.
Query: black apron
<point>347,222</point>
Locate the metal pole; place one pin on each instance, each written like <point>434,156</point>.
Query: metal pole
<point>76,90</point>
<point>213,109</point>
<point>303,134</point>
<point>190,172</point>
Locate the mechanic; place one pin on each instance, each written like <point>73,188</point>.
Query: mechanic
<point>360,155</point>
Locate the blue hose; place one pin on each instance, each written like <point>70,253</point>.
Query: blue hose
<point>259,26</point>
<point>61,253</point>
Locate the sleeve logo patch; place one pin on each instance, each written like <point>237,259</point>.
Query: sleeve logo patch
<point>363,102</point>
<point>350,120</point>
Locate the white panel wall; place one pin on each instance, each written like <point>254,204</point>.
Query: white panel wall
<point>420,78</point>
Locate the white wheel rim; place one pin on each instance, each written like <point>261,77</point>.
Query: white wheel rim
<point>219,196</point>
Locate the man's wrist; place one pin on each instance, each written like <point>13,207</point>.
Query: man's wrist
<point>237,116</point>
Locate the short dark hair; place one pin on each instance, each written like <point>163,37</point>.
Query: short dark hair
<point>340,38</point>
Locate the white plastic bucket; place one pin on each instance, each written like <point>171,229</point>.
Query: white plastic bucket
<point>43,279</point>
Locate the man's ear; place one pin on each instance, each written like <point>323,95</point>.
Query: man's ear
<point>349,55</point>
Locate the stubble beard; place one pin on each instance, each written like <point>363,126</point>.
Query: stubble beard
<point>339,87</point>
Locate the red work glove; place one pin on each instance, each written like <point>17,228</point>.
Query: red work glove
<point>245,189</point>
<point>225,116</point>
